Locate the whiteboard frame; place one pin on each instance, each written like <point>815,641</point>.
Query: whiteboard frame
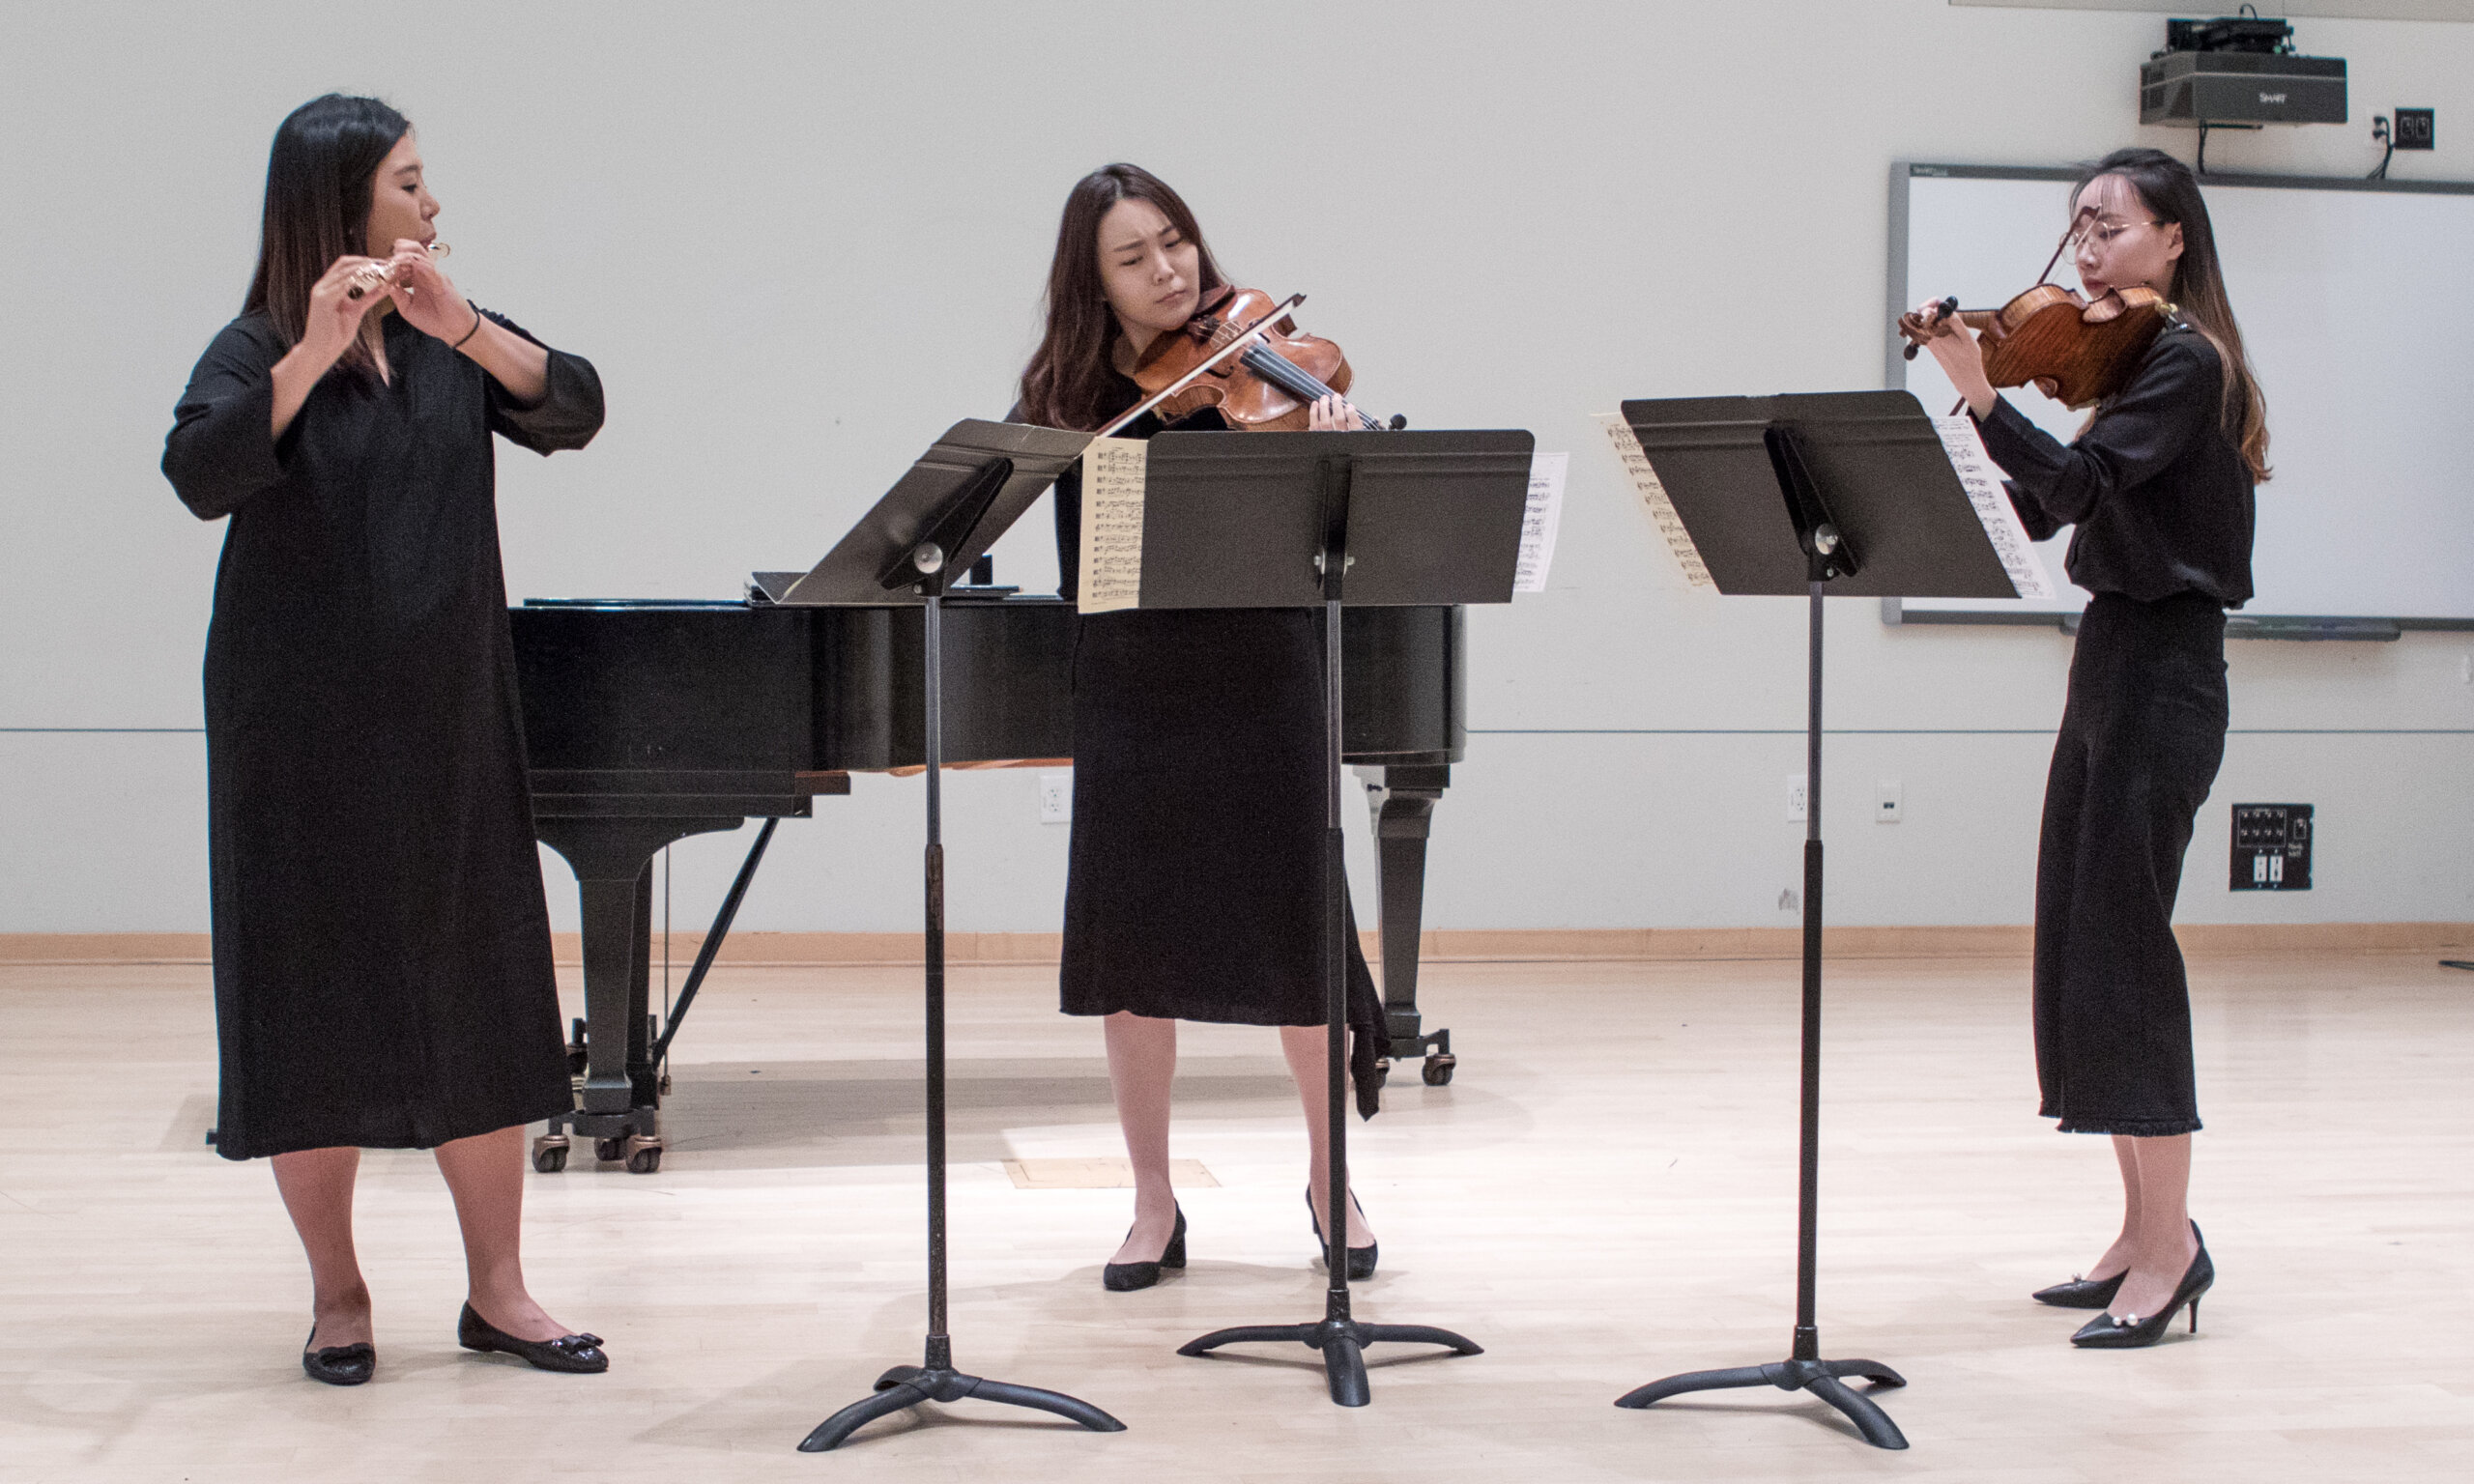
<point>1894,376</point>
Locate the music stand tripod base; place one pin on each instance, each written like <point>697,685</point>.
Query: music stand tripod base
<point>907,1385</point>
<point>1822,1378</point>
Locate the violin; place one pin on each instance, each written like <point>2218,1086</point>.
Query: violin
<point>2075,352</point>
<point>1243,355</point>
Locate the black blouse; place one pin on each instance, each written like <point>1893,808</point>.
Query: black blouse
<point>2161,496</point>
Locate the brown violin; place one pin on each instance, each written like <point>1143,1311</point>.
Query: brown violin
<point>1243,355</point>
<point>2074,352</point>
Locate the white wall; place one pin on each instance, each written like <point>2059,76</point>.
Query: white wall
<point>799,238</point>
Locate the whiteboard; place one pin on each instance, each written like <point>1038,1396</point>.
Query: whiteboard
<point>2357,307</point>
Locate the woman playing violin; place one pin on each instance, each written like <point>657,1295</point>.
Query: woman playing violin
<point>1197,747</point>
<point>2159,485</point>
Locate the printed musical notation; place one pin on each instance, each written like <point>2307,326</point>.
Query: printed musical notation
<point>1981,478</point>
<point>1114,472</point>
<point>1541,521</point>
<point>1654,502</point>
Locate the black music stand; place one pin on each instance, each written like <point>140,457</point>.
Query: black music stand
<point>1852,494</point>
<point>951,507</point>
<point>1299,520</point>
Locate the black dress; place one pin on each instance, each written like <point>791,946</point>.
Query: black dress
<point>1193,891</point>
<point>2163,506</point>
<point>382,949</point>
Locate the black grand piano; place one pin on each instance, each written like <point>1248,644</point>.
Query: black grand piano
<point>650,720</point>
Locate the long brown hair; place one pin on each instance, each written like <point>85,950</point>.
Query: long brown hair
<point>319,178</point>
<point>1072,381</point>
<point>2172,193</point>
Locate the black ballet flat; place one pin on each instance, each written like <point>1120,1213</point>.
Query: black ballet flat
<point>1362,1260</point>
<point>578,1355</point>
<point>1126,1277</point>
<point>2132,1333</point>
<point>2092,1293</point>
<point>340,1365</point>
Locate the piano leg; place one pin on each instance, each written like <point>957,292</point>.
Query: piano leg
<point>620,1109</point>
<point>1403,803</point>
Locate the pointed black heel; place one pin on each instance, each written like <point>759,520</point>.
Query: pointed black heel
<point>1126,1277</point>
<point>576,1355</point>
<point>338,1365</point>
<point>2133,1332</point>
<point>1362,1260</point>
<point>2092,1293</point>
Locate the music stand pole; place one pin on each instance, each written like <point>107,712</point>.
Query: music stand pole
<point>1827,558</point>
<point>934,1379</point>
<point>1339,1337</point>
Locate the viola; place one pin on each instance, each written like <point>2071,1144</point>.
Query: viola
<point>1243,355</point>
<point>2075,352</point>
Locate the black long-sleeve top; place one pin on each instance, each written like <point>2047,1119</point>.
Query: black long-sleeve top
<point>2161,496</point>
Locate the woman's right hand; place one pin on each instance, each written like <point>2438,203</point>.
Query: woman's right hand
<point>334,319</point>
<point>334,316</point>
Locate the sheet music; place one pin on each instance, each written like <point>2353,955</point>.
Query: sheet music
<point>1113,471</point>
<point>1981,478</point>
<point>1653,499</point>
<point>1539,522</point>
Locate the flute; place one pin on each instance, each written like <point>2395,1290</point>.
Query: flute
<point>374,276</point>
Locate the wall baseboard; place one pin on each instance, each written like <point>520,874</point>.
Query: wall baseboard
<point>1443,945</point>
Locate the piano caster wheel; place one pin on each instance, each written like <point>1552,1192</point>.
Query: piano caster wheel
<point>644,1155</point>
<point>549,1154</point>
<point>1438,1069</point>
<point>609,1151</point>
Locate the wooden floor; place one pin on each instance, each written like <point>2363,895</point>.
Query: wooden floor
<point>1605,1195</point>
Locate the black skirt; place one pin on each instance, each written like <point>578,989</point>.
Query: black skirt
<point>1194,889</point>
<point>2140,741</point>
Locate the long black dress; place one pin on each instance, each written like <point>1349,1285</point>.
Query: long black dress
<point>2163,503</point>
<point>382,949</point>
<point>1193,885</point>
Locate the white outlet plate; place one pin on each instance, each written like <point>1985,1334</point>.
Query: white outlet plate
<point>1795,798</point>
<point>1889,800</point>
<point>1056,798</point>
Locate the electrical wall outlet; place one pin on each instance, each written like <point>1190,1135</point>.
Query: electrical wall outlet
<point>1056,798</point>
<point>1795,798</point>
<point>2413,130</point>
<point>1889,800</point>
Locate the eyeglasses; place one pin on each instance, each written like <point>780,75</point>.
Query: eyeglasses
<point>2104,233</point>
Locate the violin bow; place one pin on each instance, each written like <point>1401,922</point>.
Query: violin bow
<point>1236,343</point>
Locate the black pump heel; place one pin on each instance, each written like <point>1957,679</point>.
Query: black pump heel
<point>2093,1293</point>
<point>1362,1260</point>
<point>1126,1277</point>
<point>2132,1333</point>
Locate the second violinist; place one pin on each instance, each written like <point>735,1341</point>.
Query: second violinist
<point>2159,486</point>
<point>1197,747</point>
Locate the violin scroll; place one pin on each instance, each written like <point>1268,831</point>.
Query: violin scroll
<point>1917,328</point>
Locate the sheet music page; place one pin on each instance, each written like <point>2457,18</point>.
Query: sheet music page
<point>1113,471</point>
<point>1653,499</point>
<point>1539,524</point>
<point>1981,478</point>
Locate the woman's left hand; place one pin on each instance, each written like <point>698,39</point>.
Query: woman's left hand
<point>1333,414</point>
<point>423,295</point>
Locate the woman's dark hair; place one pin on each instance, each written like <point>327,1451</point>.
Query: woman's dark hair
<point>2172,193</point>
<point>320,177</point>
<point>1072,382</point>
